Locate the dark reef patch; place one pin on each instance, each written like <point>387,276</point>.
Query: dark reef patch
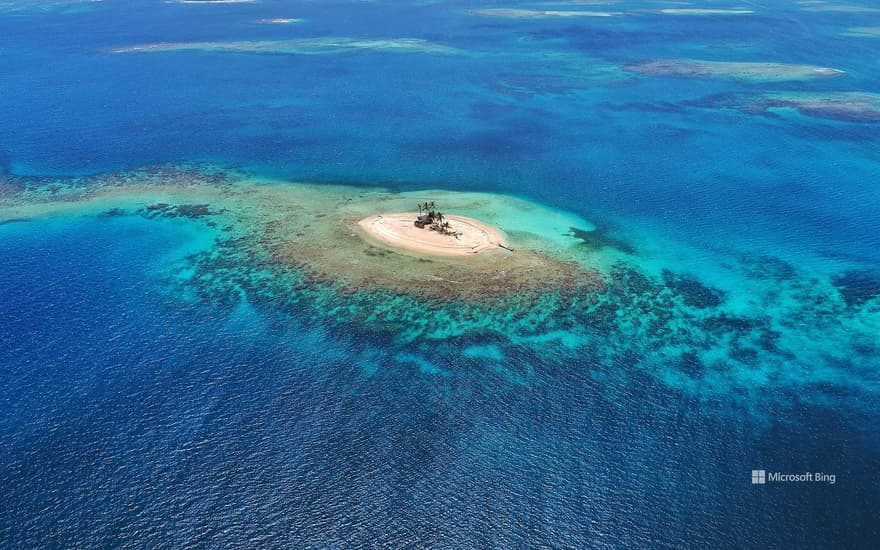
<point>693,292</point>
<point>113,213</point>
<point>731,100</point>
<point>602,239</point>
<point>10,187</point>
<point>635,282</point>
<point>15,220</point>
<point>745,355</point>
<point>689,363</point>
<point>193,211</point>
<point>520,85</point>
<point>769,340</point>
<point>643,107</point>
<point>725,324</point>
<point>377,252</point>
<point>767,267</point>
<point>857,286</point>
<point>842,106</point>
<point>165,210</point>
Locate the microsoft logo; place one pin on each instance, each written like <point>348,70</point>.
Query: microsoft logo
<point>759,477</point>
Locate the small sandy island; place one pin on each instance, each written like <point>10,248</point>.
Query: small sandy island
<point>467,236</point>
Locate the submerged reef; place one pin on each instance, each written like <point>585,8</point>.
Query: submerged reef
<point>600,238</point>
<point>858,286</point>
<point>300,46</point>
<point>820,6</point>
<point>736,70</point>
<point>692,291</point>
<point>568,291</point>
<point>843,106</point>
<point>863,32</point>
<point>31,6</point>
<point>704,11</point>
<point>558,73</point>
<point>192,211</point>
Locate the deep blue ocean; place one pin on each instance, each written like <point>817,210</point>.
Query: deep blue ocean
<point>134,418</point>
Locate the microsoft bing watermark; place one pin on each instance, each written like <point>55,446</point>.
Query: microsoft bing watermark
<point>762,477</point>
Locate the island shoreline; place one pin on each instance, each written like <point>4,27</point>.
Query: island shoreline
<point>399,231</point>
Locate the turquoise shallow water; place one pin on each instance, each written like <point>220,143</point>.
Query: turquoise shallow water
<point>162,386</point>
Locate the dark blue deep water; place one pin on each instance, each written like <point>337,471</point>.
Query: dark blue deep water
<point>132,417</point>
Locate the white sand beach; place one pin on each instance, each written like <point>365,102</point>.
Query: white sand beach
<point>399,230</point>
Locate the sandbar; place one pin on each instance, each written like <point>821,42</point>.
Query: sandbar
<point>398,231</point>
<point>517,13</point>
<point>278,21</point>
<point>705,11</point>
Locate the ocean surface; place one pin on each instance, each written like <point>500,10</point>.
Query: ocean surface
<point>736,222</point>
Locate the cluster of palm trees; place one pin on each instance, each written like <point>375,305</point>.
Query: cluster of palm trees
<point>429,217</point>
